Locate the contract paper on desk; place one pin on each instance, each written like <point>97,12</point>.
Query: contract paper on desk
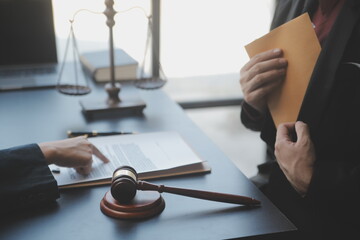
<point>153,155</point>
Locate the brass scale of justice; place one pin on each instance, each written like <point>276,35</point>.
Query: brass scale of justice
<point>113,103</point>
<point>123,200</point>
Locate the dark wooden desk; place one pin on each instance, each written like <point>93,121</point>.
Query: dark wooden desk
<point>44,115</point>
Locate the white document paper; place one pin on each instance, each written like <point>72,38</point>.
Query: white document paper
<point>146,152</point>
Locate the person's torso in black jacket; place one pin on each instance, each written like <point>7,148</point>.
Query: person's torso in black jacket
<point>331,108</point>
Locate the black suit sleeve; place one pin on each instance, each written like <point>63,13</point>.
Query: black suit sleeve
<point>250,117</point>
<point>25,179</point>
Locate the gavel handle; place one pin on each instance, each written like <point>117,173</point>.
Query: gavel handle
<point>212,196</point>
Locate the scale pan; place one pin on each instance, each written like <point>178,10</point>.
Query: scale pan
<point>150,83</point>
<point>73,90</point>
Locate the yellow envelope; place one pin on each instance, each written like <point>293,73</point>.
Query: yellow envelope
<point>301,48</point>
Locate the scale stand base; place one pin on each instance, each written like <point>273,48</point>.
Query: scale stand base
<point>133,106</point>
<point>113,104</point>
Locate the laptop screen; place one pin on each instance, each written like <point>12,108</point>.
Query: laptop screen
<point>27,33</point>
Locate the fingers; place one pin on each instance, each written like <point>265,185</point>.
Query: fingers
<point>290,131</point>
<point>264,56</point>
<point>263,84</point>
<point>302,131</point>
<point>75,153</point>
<point>84,170</point>
<point>261,79</point>
<point>285,131</point>
<point>99,154</point>
<point>94,150</point>
<point>261,71</point>
<point>261,75</point>
<point>274,68</point>
<point>284,142</point>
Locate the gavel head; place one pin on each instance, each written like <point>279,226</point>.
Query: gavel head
<point>124,184</point>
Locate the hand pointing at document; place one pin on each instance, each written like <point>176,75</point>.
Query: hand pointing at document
<point>27,174</point>
<point>73,152</point>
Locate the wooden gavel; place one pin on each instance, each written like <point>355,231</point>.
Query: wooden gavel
<point>125,184</point>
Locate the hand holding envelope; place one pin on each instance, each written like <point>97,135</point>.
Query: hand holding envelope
<point>261,76</point>
<point>300,48</point>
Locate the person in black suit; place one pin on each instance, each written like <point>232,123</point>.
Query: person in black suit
<point>314,178</point>
<point>25,179</point>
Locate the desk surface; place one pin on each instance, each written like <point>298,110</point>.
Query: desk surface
<point>45,115</point>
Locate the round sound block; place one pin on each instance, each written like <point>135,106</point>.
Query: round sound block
<point>145,205</point>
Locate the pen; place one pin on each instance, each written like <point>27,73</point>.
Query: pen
<point>57,170</point>
<point>95,133</point>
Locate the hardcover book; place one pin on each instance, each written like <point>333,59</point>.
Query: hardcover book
<point>97,65</point>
